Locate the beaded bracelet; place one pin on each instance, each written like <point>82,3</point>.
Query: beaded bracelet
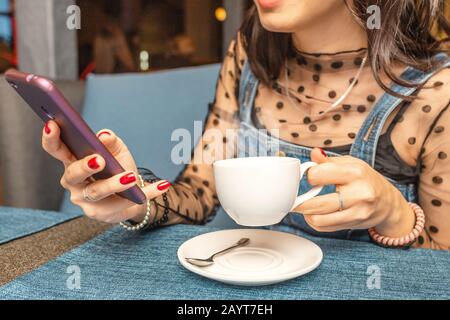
<point>144,225</point>
<point>150,177</point>
<point>405,240</point>
<point>137,227</point>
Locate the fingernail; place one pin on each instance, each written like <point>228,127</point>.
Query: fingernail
<point>163,186</point>
<point>103,133</point>
<point>47,129</point>
<point>93,164</point>
<point>127,179</point>
<point>323,152</point>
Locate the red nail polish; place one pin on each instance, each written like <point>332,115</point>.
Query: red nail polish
<point>103,133</point>
<point>93,164</point>
<point>163,186</point>
<point>127,179</point>
<point>323,152</point>
<point>47,129</point>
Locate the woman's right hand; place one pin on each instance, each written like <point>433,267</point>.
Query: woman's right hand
<point>107,207</point>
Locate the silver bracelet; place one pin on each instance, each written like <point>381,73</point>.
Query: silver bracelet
<point>130,227</point>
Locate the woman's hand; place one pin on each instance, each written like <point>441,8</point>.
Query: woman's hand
<point>369,199</point>
<point>107,207</point>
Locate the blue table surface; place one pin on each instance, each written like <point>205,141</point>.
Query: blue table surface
<point>123,265</point>
<point>17,223</point>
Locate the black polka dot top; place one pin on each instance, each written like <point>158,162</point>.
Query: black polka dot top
<point>298,105</point>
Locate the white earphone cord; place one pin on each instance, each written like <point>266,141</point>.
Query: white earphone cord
<point>341,98</point>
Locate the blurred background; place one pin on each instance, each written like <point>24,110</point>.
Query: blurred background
<point>117,36</point>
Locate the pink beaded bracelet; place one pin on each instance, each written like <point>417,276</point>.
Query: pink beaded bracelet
<point>406,240</point>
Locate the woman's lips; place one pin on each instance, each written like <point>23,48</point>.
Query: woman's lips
<point>268,4</point>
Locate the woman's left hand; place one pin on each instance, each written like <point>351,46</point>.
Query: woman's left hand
<point>369,199</point>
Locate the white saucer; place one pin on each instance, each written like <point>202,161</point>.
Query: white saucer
<point>269,258</point>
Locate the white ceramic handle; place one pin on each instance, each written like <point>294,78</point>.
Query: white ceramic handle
<point>311,193</point>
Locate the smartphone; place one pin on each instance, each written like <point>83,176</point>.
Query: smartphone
<point>48,103</point>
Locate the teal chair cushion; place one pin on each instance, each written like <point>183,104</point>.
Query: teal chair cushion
<point>144,110</point>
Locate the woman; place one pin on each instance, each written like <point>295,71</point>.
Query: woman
<point>317,75</point>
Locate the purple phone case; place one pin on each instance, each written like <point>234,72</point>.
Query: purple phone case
<point>49,104</point>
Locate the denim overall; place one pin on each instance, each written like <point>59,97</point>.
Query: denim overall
<point>255,142</point>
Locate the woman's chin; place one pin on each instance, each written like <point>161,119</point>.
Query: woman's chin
<point>278,24</point>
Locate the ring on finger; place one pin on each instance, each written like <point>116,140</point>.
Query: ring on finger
<point>341,200</point>
<point>86,195</point>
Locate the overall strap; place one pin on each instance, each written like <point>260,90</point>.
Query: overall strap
<point>366,142</point>
<point>248,87</point>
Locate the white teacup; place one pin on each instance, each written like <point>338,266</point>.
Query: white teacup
<point>260,191</point>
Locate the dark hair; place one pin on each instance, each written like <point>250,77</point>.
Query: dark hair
<point>405,36</point>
